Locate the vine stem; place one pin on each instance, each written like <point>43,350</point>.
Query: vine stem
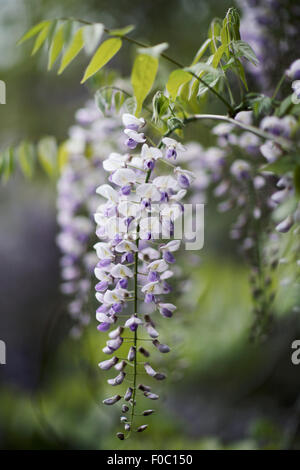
<point>166,57</point>
<point>216,117</point>
<point>135,304</point>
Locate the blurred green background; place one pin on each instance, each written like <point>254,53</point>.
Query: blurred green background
<point>223,391</point>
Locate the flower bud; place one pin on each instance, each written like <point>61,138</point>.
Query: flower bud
<point>151,396</point>
<point>163,348</point>
<point>115,333</point>
<point>128,394</point>
<point>112,400</point>
<point>148,412</point>
<point>142,428</point>
<point>131,353</point>
<point>121,365</point>
<point>117,380</point>
<point>144,388</point>
<point>105,365</point>
<point>144,351</point>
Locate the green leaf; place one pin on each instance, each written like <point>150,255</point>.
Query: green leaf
<point>92,35</point>
<point>214,33</point>
<point>211,79</point>
<point>56,46</point>
<point>154,51</point>
<point>243,49</point>
<point>119,99</point>
<point>32,32</point>
<point>160,104</point>
<point>297,180</point>
<point>104,54</point>
<point>285,106</point>
<point>283,165</point>
<point>26,156</point>
<point>73,50</point>
<point>62,155</point>
<point>142,77</point>
<point>47,154</point>
<point>176,79</point>
<point>7,163</point>
<point>261,104</point>
<point>129,105</point>
<point>41,38</point>
<point>122,31</point>
<point>218,55</point>
<point>103,98</point>
<point>175,123</point>
<point>201,51</point>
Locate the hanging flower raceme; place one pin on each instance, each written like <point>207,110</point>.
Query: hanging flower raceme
<point>76,205</point>
<point>140,207</point>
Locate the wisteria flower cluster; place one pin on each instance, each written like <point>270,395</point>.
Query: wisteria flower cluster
<point>93,136</point>
<point>242,173</point>
<point>270,25</point>
<point>133,271</point>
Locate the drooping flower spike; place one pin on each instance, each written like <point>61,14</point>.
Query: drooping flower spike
<point>137,211</point>
<point>76,204</point>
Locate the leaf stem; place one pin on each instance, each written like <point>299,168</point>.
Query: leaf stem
<point>166,57</point>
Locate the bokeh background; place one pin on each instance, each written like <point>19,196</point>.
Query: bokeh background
<point>223,390</point>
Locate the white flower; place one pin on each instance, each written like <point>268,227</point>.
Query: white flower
<point>132,122</point>
<point>114,162</point>
<point>270,150</point>
<point>101,274</point>
<point>103,318</point>
<point>173,147</point>
<point>106,191</point>
<point>148,191</point>
<point>103,250</point>
<point>149,226</point>
<point>240,169</point>
<point>172,246</point>
<point>150,153</point>
<point>114,296</point>
<point>136,136</point>
<point>120,271</point>
<point>123,177</point>
<point>153,288</point>
<point>159,265</point>
<point>125,246</point>
<point>166,182</point>
<point>133,320</point>
<point>294,70</point>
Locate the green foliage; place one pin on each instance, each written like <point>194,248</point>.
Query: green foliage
<point>259,103</point>
<point>47,154</point>
<point>33,31</point>
<point>142,78</point>
<point>104,54</point>
<point>285,164</point>
<point>56,45</point>
<point>160,104</point>
<point>51,156</point>
<point>176,79</point>
<point>73,50</point>
<point>297,180</point>
<point>27,158</point>
<point>122,31</point>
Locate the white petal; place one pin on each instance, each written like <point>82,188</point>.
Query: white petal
<point>123,177</point>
